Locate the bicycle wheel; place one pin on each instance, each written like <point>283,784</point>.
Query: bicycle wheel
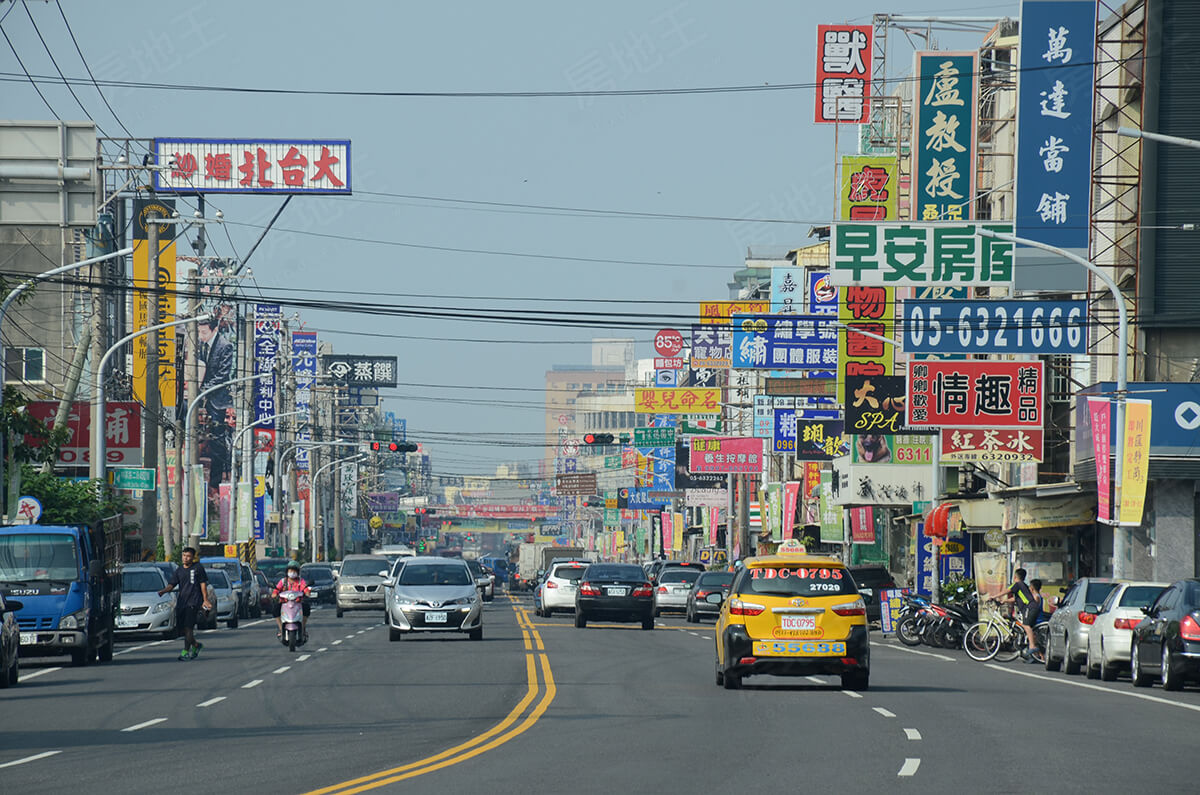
<point>981,642</point>
<point>1011,645</point>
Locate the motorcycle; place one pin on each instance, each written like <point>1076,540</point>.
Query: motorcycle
<point>291,612</point>
<point>913,620</point>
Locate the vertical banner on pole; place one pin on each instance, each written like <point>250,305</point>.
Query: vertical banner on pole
<point>199,499</point>
<point>245,500</point>
<point>713,520</point>
<point>299,525</point>
<point>268,321</point>
<point>1098,408</point>
<point>304,365</point>
<point>791,496</point>
<point>1135,451</point>
<point>678,529</point>
<point>142,282</point>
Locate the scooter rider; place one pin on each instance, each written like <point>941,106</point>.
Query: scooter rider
<point>292,582</point>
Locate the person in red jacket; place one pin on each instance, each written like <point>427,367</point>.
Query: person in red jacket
<point>292,582</point>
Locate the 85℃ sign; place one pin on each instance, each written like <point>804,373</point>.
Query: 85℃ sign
<point>1037,327</point>
<point>920,254</point>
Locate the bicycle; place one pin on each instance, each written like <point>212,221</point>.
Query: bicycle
<point>1002,638</point>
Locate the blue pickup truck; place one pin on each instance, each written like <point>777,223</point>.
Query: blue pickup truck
<point>68,580</point>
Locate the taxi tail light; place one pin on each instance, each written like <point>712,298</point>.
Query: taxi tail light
<point>662,589</point>
<point>747,661</point>
<point>849,661</point>
<point>587,589</point>
<point>1086,617</point>
<point>1189,628</point>
<point>1125,623</point>
<point>551,584</point>
<point>739,608</point>
<point>855,608</point>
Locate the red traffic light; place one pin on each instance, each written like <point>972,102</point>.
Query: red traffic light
<point>597,438</point>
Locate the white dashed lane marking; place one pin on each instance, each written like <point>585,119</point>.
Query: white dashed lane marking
<point>143,724</point>
<point>887,713</point>
<point>909,767</point>
<point>281,669</point>
<point>303,657</point>
<point>852,694</point>
<point>211,701</point>
<point>252,683</point>
<point>33,758</point>
<point>335,643</point>
<point>25,677</point>
<point>912,734</point>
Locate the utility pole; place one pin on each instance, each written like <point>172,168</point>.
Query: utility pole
<point>150,425</point>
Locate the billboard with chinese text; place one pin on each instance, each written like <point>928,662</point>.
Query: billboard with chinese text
<point>784,342</point>
<point>719,454</point>
<point>964,394</point>
<point>870,188</point>
<point>844,56</point>
<point>944,121</point>
<point>241,165</point>
<point>920,254</point>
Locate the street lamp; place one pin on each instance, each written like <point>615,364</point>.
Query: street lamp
<point>233,461</point>
<point>1120,541</point>
<point>99,463</point>
<point>1130,132</point>
<point>294,446</point>
<point>22,287</point>
<point>187,446</point>
<point>312,504</point>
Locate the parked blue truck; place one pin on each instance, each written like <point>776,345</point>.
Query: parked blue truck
<point>68,580</point>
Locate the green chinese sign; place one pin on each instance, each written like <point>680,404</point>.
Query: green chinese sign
<point>943,178</point>
<point>921,255</point>
<point>830,514</point>
<point>653,437</point>
<point>612,462</point>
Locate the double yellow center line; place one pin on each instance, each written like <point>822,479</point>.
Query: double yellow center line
<point>520,718</point>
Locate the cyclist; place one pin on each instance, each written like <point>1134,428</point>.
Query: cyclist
<point>292,582</point>
<point>1022,600</point>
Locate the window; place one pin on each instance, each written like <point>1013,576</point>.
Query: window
<point>25,364</point>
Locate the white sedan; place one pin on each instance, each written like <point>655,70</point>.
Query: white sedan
<point>1111,633</point>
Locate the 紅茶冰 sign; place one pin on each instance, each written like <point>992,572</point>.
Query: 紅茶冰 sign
<point>965,394</point>
<point>920,254</point>
<point>1007,445</point>
<point>241,165</point>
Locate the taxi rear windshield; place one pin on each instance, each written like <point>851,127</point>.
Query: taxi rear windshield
<point>796,581</point>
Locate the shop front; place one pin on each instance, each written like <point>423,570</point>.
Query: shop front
<point>1051,532</point>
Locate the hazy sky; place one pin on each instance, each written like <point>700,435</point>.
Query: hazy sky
<point>743,155</point>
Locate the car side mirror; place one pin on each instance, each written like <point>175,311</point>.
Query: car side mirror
<point>867,591</point>
<point>1056,601</point>
<point>1147,610</point>
<point>389,582</point>
<point>383,573</point>
<point>715,598</point>
<point>96,569</point>
<point>1092,609</point>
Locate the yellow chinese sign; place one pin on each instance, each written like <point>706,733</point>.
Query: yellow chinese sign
<point>677,401</point>
<point>869,191</point>
<point>871,309</point>
<point>719,312</point>
<point>143,283</point>
<point>1135,461</point>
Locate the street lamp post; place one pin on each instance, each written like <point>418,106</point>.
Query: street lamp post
<point>297,445</point>
<point>187,446</point>
<point>99,463</point>
<point>1120,541</point>
<point>312,504</point>
<point>22,287</point>
<point>233,474</point>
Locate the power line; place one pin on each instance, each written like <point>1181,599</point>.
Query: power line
<point>89,70</point>
<point>46,47</point>
<point>32,82</point>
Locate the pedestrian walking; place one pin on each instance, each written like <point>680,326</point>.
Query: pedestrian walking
<point>195,594</point>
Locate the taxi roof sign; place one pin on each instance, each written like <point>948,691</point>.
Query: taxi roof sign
<point>791,547</point>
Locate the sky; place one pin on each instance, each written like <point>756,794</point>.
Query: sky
<point>486,176</point>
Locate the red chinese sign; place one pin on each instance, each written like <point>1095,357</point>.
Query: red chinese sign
<point>737,454</point>
<point>844,56</point>
<point>677,401</point>
<point>1010,445</point>
<point>499,511</point>
<point>862,525</point>
<point>246,166</point>
<point>976,394</point>
<point>123,432</point>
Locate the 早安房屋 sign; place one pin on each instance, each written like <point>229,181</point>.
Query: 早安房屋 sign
<point>965,394</point>
<point>1054,140</point>
<point>719,312</point>
<point>726,454</point>
<point>677,401</point>
<point>869,188</point>
<point>1008,445</point>
<point>1034,326</point>
<point>943,177</point>
<point>873,310</point>
<point>920,254</point>
<point>239,165</point>
<point>711,346</point>
<point>784,342</point>
<point>843,74</point>
<point>360,371</point>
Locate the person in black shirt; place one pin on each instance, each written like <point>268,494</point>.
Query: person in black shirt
<point>194,594</point>
<point>1023,600</point>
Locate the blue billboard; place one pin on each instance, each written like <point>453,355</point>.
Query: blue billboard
<point>984,326</point>
<point>784,342</point>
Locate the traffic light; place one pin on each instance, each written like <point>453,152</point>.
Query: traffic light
<point>594,502</point>
<point>421,546</point>
<point>598,438</point>
<point>394,447</point>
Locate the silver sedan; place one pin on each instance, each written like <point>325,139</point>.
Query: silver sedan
<point>142,610</point>
<point>1112,632</point>
<point>674,585</point>
<point>432,594</point>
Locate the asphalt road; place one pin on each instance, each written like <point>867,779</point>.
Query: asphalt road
<point>541,706</point>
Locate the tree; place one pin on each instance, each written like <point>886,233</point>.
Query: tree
<point>64,501</point>
<point>32,440</point>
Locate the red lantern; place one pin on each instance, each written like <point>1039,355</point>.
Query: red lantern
<point>937,525</point>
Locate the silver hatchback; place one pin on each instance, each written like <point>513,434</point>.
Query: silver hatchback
<point>432,594</point>
<point>143,611</point>
<point>1071,623</point>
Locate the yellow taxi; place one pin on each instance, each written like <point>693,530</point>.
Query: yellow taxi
<point>792,614</point>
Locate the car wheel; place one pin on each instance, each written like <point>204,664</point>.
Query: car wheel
<point>339,612</point>
<point>1108,673</point>
<point>476,634</point>
<point>1052,663</point>
<point>9,678</point>
<point>856,680</point>
<point>691,617</point>
<point>233,622</point>
<point>1171,679</point>
<point>732,681</point>
<point>647,623</point>
<point>547,611</point>
<point>105,652</point>
<point>656,612</point>
<point>1092,671</point>
<point>395,634</point>
<point>1140,677</point>
<point>1070,664</point>
<point>14,675</point>
<point>720,675</point>
<point>580,619</point>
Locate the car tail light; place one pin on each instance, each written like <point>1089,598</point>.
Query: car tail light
<point>645,589</point>
<point>662,589</point>
<point>1126,623</point>
<point>849,661</point>
<point>855,608</point>
<point>1189,628</point>
<point>551,584</point>
<point>587,589</point>
<point>1086,617</point>
<point>702,594</point>
<point>739,608</point>
<point>747,661</point>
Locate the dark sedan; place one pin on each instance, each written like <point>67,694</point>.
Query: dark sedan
<point>709,582</point>
<point>614,592</point>
<point>1167,641</point>
<point>10,647</point>
<point>319,577</point>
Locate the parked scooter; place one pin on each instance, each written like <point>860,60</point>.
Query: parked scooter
<point>291,612</point>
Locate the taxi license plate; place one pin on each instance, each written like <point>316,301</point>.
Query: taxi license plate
<point>27,638</point>
<point>798,622</point>
<point>435,618</point>
<point>617,591</point>
<point>799,648</point>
